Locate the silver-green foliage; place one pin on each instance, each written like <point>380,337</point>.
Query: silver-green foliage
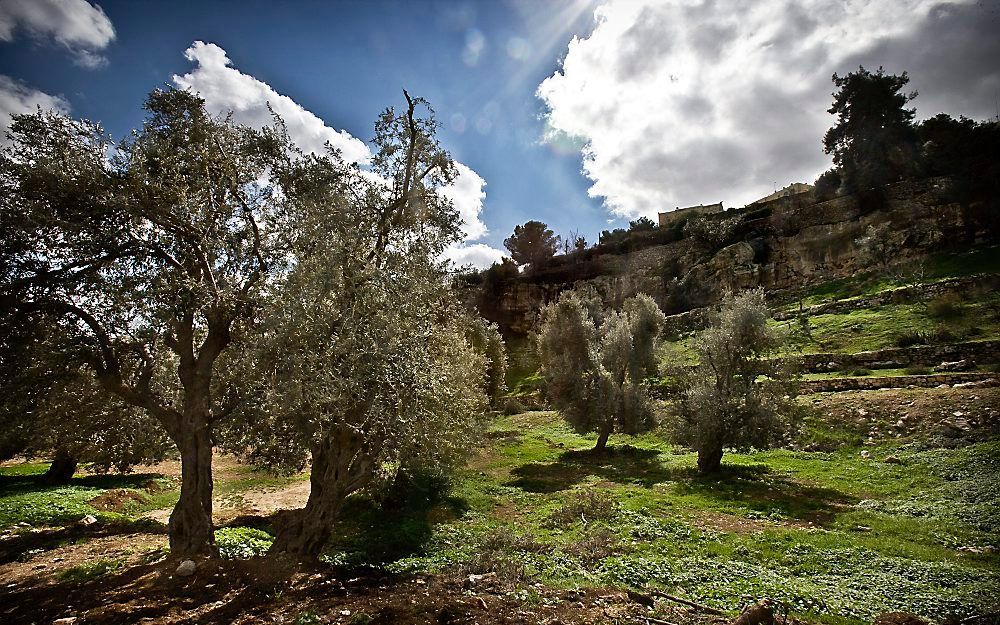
<point>737,396</point>
<point>486,340</point>
<point>363,360</point>
<point>594,362</point>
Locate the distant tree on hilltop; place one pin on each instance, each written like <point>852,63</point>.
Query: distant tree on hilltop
<point>532,244</point>
<point>873,141</point>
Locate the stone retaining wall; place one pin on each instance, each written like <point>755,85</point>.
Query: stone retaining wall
<point>838,385</point>
<point>975,352</point>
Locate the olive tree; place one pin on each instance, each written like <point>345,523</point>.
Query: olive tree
<point>53,407</point>
<point>486,339</point>
<point>363,357</point>
<point>737,396</point>
<point>148,257</point>
<point>594,362</point>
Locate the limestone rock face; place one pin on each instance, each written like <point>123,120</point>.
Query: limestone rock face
<point>787,243</point>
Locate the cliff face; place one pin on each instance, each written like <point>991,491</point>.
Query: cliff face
<point>786,243</point>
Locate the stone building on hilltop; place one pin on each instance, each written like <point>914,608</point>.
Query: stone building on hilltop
<point>665,219</point>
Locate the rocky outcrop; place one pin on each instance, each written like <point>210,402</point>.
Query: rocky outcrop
<point>783,244</point>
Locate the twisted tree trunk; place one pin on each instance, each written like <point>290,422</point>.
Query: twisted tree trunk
<point>191,529</point>
<point>339,468</point>
<point>709,460</point>
<point>602,440</point>
<point>62,468</point>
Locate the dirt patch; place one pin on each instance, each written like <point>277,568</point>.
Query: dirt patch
<point>720,521</point>
<point>942,416</point>
<point>116,500</point>
<point>262,591</point>
<point>42,561</point>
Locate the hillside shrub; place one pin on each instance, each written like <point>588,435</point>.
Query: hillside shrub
<point>947,306</point>
<point>910,338</point>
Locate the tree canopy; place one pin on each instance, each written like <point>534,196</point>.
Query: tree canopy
<point>595,361</point>
<point>737,396</point>
<point>243,293</point>
<point>532,244</point>
<point>873,141</point>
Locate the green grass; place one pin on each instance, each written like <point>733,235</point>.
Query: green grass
<point>937,267</point>
<point>239,543</point>
<point>91,570</point>
<point>876,328</point>
<point>835,535</point>
<point>24,498</point>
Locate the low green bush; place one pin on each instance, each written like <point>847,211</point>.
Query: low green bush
<point>909,339</point>
<point>240,543</point>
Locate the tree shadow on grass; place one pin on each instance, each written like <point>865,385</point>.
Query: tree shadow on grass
<point>373,531</point>
<point>735,487</point>
<point>623,464</point>
<point>11,485</point>
<point>766,493</point>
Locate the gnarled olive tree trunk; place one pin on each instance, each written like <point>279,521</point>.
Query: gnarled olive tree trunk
<point>709,460</point>
<point>62,468</point>
<point>340,466</point>
<point>191,529</point>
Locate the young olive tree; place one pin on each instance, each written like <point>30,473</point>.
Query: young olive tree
<point>364,358</point>
<point>737,396</point>
<point>149,258</point>
<point>53,407</point>
<point>594,362</point>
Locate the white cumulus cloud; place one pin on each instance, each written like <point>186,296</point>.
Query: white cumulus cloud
<point>682,103</point>
<point>478,255</point>
<point>18,98</point>
<point>226,89</point>
<point>467,193</point>
<point>80,26</point>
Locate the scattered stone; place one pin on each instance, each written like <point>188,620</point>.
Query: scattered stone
<point>88,520</point>
<point>893,460</point>
<point>887,364</point>
<point>345,612</point>
<point>69,620</point>
<point>862,412</point>
<point>187,568</point>
<point>958,365</point>
<point>866,454</point>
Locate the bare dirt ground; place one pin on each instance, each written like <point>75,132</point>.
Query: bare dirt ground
<point>944,416</point>
<point>259,591</point>
<point>262,501</point>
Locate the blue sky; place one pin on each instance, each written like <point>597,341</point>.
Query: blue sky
<point>655,103</point>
